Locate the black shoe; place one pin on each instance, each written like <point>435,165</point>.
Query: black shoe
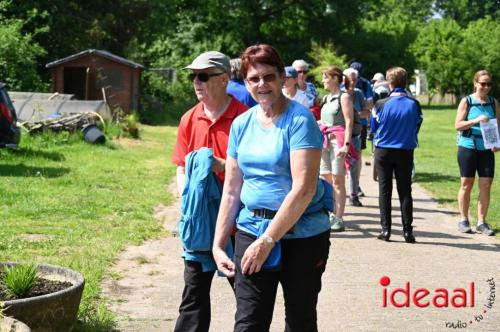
<point>409,238</point>
<point>384,235</point>
<point>355,201</point>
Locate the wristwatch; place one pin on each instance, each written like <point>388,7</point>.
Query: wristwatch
<point>267,239</point>
<point>347,144</point>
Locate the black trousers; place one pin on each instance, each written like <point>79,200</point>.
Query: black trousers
<point>195,311</point>
<point>303,262</point>
<point>399,162</point>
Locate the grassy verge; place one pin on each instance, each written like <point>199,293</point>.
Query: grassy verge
<point>69,203</point>
<point>437,168</point>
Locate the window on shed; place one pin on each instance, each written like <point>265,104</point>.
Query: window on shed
<point>109,78</point>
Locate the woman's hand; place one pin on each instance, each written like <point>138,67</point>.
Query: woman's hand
<point>342,152</point>
<point>255,256</point>
<point>481,118</point>
<point>224,264</point>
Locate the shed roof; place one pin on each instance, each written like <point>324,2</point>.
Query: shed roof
<point>104,54</point>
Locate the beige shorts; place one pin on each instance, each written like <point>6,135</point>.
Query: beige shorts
<point>330,162</point>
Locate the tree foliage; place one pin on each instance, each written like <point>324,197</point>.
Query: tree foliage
<point>158,33</point>
<point>450,55</point>
<point>324,56</point>
<point>18,56</point>
<point>466,11</point>
<point>436,49</point>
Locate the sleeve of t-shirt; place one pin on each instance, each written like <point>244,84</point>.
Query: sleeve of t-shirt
<point>304,132</point>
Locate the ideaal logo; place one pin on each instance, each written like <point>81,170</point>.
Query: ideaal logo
<point>422,297</point>
<point>439,298</point>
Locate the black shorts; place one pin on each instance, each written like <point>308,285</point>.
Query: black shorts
<point>470,161</point>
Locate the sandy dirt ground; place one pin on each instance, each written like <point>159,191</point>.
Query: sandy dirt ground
<point>145,285</point>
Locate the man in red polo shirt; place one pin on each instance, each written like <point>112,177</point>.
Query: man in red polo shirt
<point>205,125</point>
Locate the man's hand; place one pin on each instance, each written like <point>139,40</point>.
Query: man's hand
<point>224,264</point>
<point>255,256</point>
<point>218,165</point>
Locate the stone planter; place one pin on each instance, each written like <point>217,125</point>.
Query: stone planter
<point>8,324</point>
<point>54,312</point>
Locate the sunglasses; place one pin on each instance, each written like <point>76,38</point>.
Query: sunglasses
<point>483,84</point>
<point>302,71</point>
<point>266,78</point>
<point>203,77</point>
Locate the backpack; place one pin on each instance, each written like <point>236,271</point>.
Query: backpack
<point>9,132</point>
<point>468,99</point>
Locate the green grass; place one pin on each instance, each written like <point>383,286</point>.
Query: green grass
<point>437,168</point>
<point>69,203</point>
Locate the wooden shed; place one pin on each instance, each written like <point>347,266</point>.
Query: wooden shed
<point>98,75</point>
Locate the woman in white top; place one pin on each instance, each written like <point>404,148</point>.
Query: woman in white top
<point>290,89</point>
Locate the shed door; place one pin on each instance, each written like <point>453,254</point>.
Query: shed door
<point>75,81</point>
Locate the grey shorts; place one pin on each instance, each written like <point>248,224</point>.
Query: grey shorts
<point>330,162</point>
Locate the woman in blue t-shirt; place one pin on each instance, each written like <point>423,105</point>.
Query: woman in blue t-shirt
<point>271,179</point>
<point>472,155</point>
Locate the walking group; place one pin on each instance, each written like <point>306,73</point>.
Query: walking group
<point>262,163</point>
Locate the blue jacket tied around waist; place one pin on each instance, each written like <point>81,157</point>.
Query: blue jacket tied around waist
<point>199,207</point>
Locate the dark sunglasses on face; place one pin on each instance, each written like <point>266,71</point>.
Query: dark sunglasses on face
<point>266,78</point>
<point>302,71</point>
<point>203,77</point>
<point>483,84</point>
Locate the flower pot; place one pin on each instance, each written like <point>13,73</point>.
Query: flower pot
<point>55,312</point>
<point>8,324</point>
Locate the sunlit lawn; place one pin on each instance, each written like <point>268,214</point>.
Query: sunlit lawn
<point>69,203</point>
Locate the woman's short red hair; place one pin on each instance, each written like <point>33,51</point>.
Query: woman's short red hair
<point>262,54</point>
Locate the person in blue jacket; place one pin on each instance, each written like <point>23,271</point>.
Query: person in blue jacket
<point>272,171</point>
<point>236,86</point>
<point>472,155</point>
<point>395,123</point>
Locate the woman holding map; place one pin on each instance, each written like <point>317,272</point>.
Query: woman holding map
<point>473,156</point>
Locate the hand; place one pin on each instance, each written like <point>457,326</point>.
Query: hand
<point>364,114</point>
<point>481,118</point>
<point>218,165</point>
<point>342,152</point>
<point>255,256</point>
<point>224,264</point>
<point>495,149</point>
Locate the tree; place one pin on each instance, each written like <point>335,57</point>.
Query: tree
<point>324,56</point>
<point>481,53</point>
<point>18,57</point>
<point>387,29</point>
<point>466,11</point>
<point>437,50</point>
